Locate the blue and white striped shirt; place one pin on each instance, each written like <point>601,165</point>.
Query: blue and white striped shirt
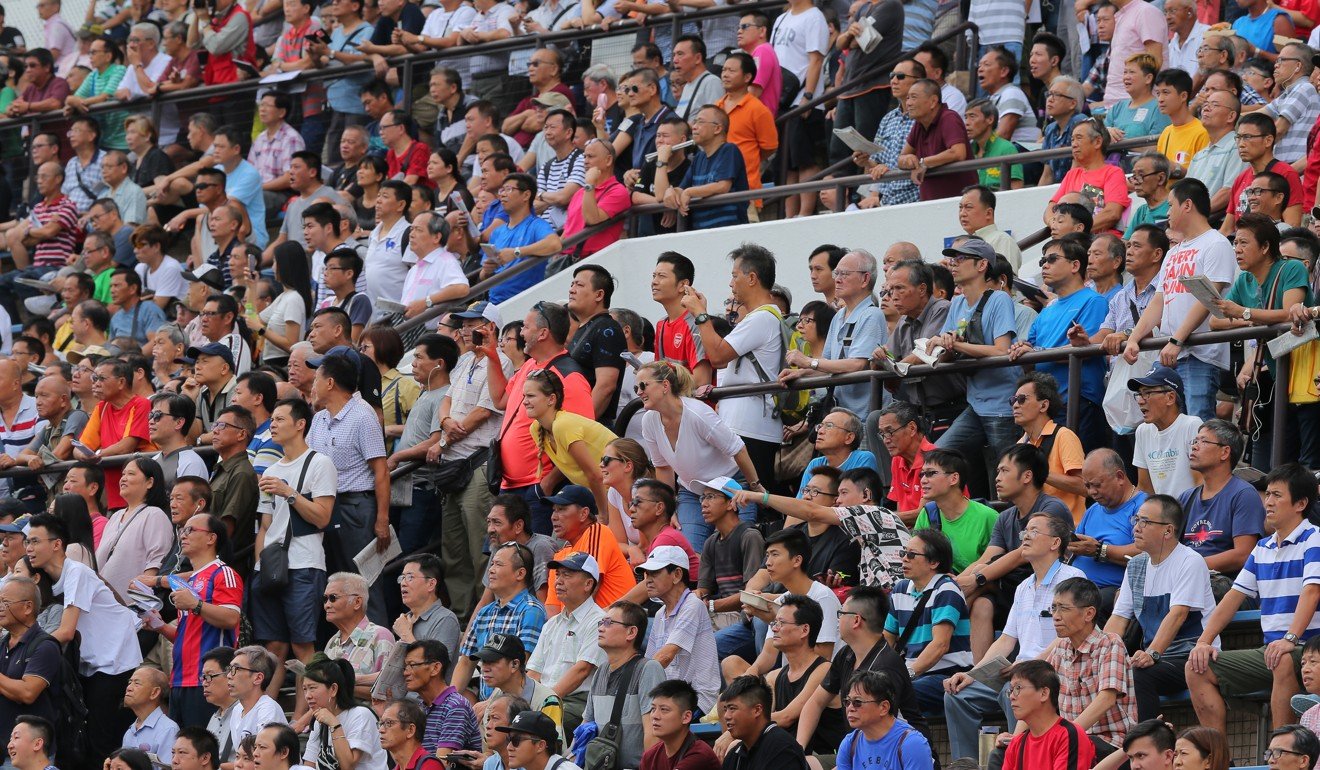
<point>350,438</point>
<point>946,605</point>
<point>1276,572</point>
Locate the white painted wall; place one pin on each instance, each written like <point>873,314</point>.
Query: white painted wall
<point>925,224</point>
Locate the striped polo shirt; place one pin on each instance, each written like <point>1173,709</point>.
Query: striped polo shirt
<point>1276,572</point>
<point>946,605</point>
<point>15,436</point>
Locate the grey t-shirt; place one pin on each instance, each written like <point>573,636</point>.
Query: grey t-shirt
<point>440,624</point>
<point>543,548</point>
<point>293,224</point>
<point>422,421</point>
<point>1007,532</point>
<point>600,705</point>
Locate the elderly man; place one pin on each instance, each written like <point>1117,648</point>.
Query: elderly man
<point>18,417</point>
<point>211,385</point>
<point>921,315</point>
<point>976,216</point>
<point>568,653</point>
<point>438,276</point>
<point>357,640</point>
<point>1219,163</point>
<point>126,194</point>
<point>30,663</point>
<point>1164,439</point>
<point>938,137</point>
<point>249,675</point>
<point>151,730</point>
<point>44,241</point>
<point>1225,517</point>
<point>63,423</point>
<point>1185,35</point>
<point>1297,105</point>
<point>1103,542</point>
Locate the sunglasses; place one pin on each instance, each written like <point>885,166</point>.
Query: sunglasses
<point>516,739</point>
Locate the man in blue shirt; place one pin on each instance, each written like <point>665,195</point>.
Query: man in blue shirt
<point>879,738</point>
<point>242,180</point>
<point>524,236</point>
<point>717,169</point>
<point>135,318</point>
<point>1225,517</point>
<point>1103,541</point>
<point>1077,313</point>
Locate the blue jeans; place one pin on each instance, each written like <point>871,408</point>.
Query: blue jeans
<point>974,436</point>
<point>741,640</point>
<point>930,693</point>
<point>1200,383</point>
<point>419,522</point>
<point>964,713</point>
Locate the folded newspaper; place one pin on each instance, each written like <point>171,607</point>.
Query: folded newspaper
<point>990,672</point>
<point>371,562</point>
<point>38,284</point>
<point>856,142</point>
<point>390,306</point>
<point>1289,341</point>
<point>869,37</point>
<point>389,685</point>
<point>922,349</point>
<point>1204,290</point>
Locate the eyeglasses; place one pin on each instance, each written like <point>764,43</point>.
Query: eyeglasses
<point>191,530</point>
<point>417,664</point>
<point>408,578</point>
<point>1055,609</point>
<point>7,602</point>
<point>1293,59</point>
<point>889,432</point>
<point>209,678</point>
<point>1253,192</point>
<point>209,313</point>
<point>636,501</point>
<point>1199,441</point>
<point>1142,521</point>
<point>713,496</point>
<point>1143,395</point>
<point>930,473</point>
<point>608,622</point>
<point>908,554</point>
<point>235,668</point>
<point>606,460</point>
<point>389,724</point>
<point>856,703</point>
<point>777,624</point>
<point>1015,689</point>
<point>102,377</point>
<point>841,612</point>
<point>1272,754</point>
<point>1019,399</point>
<point>811,492</point>
<point>846,273</point>
<point>1056,95</point>
<point>35,540</point>
<point>221,426</point>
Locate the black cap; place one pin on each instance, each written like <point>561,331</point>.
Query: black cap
<point>533,723</point>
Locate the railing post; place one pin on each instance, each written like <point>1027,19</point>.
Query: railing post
<point>1074,391</point>
<point>1282,370</point>
<point>406,83</point>
<point>841,198</point>
<point>680,222</point>
<point>1005,176</point>
<point>675,28</point>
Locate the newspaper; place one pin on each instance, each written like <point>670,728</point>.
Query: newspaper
<point>389,685</point>
<point>474,229</point>
<point>856,142</point>
<point>40,285</point>
<point>371,562</point>
<point>390,306</point>
<point>1287,342</point>
<point>990,672</point>
<point>869,37</point>
<point>1204,290</point>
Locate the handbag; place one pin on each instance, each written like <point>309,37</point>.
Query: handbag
<point>604,752</point>
<point>495,463</point>
<point>274,573</point>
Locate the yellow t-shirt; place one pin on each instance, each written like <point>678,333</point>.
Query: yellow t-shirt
<point>1180,143</point>
<point>570,428</point>
<point>1066,456</point>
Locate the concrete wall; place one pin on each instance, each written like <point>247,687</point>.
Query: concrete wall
<point>928,225</point>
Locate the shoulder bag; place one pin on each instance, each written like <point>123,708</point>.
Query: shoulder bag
<point>605,750</point>
<point>274,572</point>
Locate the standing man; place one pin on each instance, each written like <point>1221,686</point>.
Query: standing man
<point>1175,311</point>
<point>688,66</point>
<point>751,124</point>
<point>976,216</point>
<point>384,267</point>
<point>677,338</point>
<point>754,38</point>
<point>938,138</point>
<point>801,39</point>
<point>597,344</point>
<point>234,482</point>
<point>1138,26</point>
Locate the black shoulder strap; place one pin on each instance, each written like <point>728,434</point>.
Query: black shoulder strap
<point>914,620</point>
<point>627,681</point>
<point>975,334</point>
<point>1073,739</point>
<point>302,476</point>
<point>1047,441</point>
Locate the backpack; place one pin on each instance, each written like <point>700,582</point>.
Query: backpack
<point>71,745</point>
<point>791,406</point>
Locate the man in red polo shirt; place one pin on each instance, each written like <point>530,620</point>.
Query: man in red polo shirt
<point>118,424</point>
<point>603,196</point>
<point>938,138</point>
<point>901,431</point>
<point>544,333</point>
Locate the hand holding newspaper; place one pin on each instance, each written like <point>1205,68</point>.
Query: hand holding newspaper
<point>1205,292</point>
<point>856,142</point>
<point>1289,341</point>
<point>869,37</point>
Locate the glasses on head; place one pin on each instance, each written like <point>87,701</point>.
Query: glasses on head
<point>856,703</point>
<point>1272,754</point>
<point>908,554</point>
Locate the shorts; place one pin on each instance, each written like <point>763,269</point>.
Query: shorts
<point>294,614</point>
<point>805,140</point>
<point>1241,672</point>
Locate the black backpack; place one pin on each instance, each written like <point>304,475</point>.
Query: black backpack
<point>71,746</point>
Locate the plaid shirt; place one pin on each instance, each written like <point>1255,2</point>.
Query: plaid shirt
<point>1099,73</point>
<point>365,648</point>
<point>272,155</point>
<point>891,135</point>
<point>1101,663</point>
<point>522,615</point>
<point>1251,96</point>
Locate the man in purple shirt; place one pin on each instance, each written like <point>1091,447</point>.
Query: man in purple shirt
<point>451,724</point>
<point>938,138</point>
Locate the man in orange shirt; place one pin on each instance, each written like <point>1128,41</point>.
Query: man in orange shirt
<point>574,521</point>
<point>118,425</point>
<point>751,124</point>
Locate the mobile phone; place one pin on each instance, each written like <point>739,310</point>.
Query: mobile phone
<point>478,339</point>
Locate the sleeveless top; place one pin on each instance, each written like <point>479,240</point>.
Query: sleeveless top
<point>829,733</point>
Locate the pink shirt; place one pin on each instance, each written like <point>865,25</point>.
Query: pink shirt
<point>1135,24</point>
<point>612,198</point>
<point>671,536</point>
<point>768,76</point>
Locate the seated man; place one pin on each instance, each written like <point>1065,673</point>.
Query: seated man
<point>990,583</point>
<point>838,440</point>
<point>1102,543</point>
<point>451,724</point>
<point>151,730</point>
<point>731,557</point>
<point>1166,591</point>
<point>834,553</point>
<point>902,430</point>
<point>1048,738</point>
<point>514,610</point>
<point>682,638</point>
<point>568,653</point>
<point>872,709</point>
<point>965,522</point>
<point>745,710</point>
<point>1035,404</point>
<point>793,634</point>
<point>1225,518</point>
<point>1284,572</point>
<point>503,661</point>
<point>929,623</point>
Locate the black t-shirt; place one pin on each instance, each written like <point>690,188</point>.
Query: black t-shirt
<point>36,654</point>
<point>411,19</point>
<point>155,163</point>
<point>599,344</point>
<point>776,750</point>
<point>646,184</point>
<point>11,38</point>
<point>884,658</point>
<point>832,550</point>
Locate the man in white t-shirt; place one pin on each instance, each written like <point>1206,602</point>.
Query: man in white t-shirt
<point>1164,439</point>
<point>1178,314</point>
<point>248,675</point>
<point>801,38</point>
<point>90,610</point>
<point>1175,599</point>
<point>752,353</point>
<point>304,484</point>
<point>161,274</point>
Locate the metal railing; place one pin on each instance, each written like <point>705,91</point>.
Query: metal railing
<point>1073,355</point>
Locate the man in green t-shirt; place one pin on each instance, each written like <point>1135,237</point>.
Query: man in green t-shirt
<point>98,254</point>
<point>981,118</point>
<point>967,523</point>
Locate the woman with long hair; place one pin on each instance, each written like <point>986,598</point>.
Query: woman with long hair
<point>139,536</point>
<point>1261,294</point>
<point>371,171</point>
<point>573,443</point>
<point>73,510</point>
<point>688,442</point>
<point>398,394</point>
<point>444,170</point>
<point>1201,748</point>
<point>344,735</point>
<point>623,462</point>
<point>285,320</point>
<point>52,609</point>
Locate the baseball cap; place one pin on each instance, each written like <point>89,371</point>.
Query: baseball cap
<point>206,273</point>
<point>578,561</point>
<point>1159,376</point>
<point>501,647</point>
<point>972,247</point>
<point>664,556</point>
<point>217,349</point>
<point>91,351</point>
<point>574,495</point>
<point>722,484</point>
<point>337,350</point>
<point>553,100</point>
<point>532,723</point>
<point>483,309</point>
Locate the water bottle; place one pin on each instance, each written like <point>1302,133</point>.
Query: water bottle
<point>986,745</point>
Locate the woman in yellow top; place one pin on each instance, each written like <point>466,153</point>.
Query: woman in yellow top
<point>384,346</point>
<point>572,442</point>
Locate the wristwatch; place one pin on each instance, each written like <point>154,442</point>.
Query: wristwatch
<point>980,580</point>
<point>1155,656</point>
<point>701,318</point>
<point>430,303</point>
<point>1174,341</point>
<point>1246,314</point>
<point>1291,637</point>
<point>815,363</point>
<point>517,252</point>
<point>291,499</point>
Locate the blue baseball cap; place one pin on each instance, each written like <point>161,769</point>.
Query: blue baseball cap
<point>574,494</point>
<point>337,350</point>
<point>218,349</point>
<point>1159,377</point>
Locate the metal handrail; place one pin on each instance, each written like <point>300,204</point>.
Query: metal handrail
<point>408,61</point>
<point>1074,355</point>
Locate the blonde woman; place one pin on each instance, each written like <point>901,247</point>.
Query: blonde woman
<point>572,442</point>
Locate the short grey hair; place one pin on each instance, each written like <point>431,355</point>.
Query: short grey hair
<point>1304,55</point>
<point>175,333</point>
<point>1159,160</point>
<point>986,108</point>
<point>354,584</point>
<point>851,423</point>
<point>29,588</point>
<point>302,346</point>
<point>178,29</point>
<point>347,214</point>
<point>1072,87</point>
<point>601,73</point>
<point>260,660</point>
<point>149,31</point>
<point>869,264</point>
